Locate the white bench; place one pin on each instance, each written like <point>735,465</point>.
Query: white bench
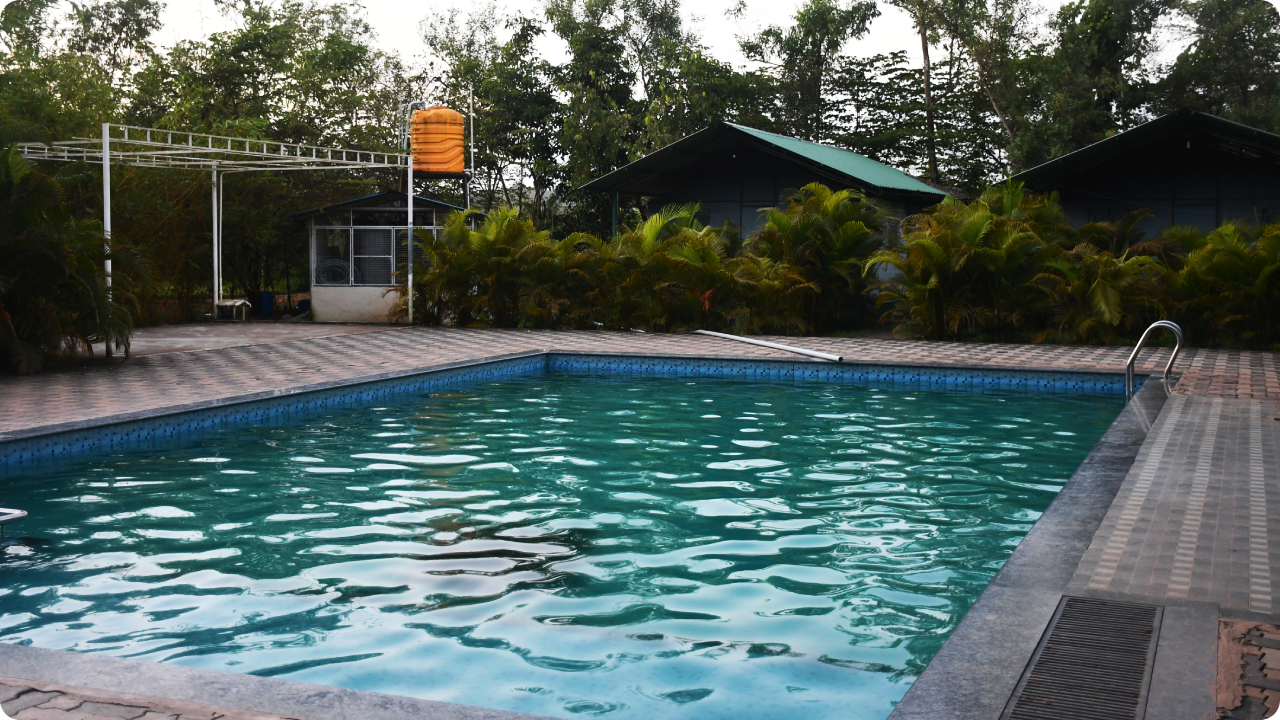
<point>242,305</point>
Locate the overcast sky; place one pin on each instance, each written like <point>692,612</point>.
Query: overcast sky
<point>396,23</point>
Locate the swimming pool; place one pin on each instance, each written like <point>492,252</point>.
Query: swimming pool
<point>564,545</point>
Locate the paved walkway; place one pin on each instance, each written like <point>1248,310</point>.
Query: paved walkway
<point>1196,520</point>
<point>280,360</point>
<point>1198,517</point>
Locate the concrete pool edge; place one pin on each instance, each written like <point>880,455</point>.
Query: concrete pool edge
<point>976,670</point>
<point>36,444</point>
<point>290,699</point>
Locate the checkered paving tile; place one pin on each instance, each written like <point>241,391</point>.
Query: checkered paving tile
<point>157,381</point>
<point>1192,520</point>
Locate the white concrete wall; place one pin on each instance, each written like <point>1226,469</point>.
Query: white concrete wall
<point>354,304</point>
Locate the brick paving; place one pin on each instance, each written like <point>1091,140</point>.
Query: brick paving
<point>28,700</point>
<point>168,379</point>
<point>1198,517</point>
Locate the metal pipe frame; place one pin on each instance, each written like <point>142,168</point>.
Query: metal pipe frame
<point>134,146</point>
<point>1133,356</point>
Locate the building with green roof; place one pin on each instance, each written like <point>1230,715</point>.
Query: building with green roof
<point>735,171</point>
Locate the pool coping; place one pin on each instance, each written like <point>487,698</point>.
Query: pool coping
<point>31,445</point>
<point>975,672</point>
<point>222,689</point>
<point>320,702</point>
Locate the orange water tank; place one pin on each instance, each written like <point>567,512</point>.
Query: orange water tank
<point>437,140</point>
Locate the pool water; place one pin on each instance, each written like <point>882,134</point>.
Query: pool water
<point>563,545</point>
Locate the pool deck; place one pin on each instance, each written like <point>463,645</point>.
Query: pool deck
<point>1177,506</point>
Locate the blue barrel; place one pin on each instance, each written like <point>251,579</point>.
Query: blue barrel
<point>268,304</point>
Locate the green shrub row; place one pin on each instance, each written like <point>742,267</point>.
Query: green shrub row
<point>1007,267</point>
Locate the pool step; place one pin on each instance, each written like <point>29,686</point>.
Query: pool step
<point>1093,662</point>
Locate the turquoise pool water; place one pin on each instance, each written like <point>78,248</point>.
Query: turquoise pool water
<point>563,545</point>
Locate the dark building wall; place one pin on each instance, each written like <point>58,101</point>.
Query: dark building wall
<point>1187,178</point>
<point>736,184</point>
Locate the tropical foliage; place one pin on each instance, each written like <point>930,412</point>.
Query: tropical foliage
<point>1006,267</point>
<point>54,298</point>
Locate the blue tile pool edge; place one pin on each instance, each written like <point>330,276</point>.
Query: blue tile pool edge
<point>120,432</point>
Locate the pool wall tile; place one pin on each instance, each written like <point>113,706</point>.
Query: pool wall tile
<point>20,454</point>
<point>890,375</point>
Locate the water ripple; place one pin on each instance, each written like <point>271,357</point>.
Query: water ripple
<point>635,548</point>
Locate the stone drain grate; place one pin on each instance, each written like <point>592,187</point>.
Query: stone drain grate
<point>1093,662</point>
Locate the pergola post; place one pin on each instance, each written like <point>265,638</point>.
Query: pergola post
<point>106,226</point>
<point>409,244</point>
<point>217,281</point>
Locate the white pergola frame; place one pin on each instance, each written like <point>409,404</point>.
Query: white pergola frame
<point>133,146</point>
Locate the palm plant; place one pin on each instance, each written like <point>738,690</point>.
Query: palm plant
<point>634,285</point>
<point>1097,297</point>
<point>1231,283</point>
<point>931,286</point>
<point>963,268</point>
<point>827,237</point>
<point>54,299</point>
<point>555,279</point>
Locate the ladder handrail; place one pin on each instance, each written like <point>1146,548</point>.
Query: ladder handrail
<point>1128,369</point>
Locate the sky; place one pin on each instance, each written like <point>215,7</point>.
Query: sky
<point>396,24</point>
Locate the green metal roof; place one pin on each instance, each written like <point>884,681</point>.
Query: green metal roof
<point>654,173</point>
<point>846,161</point>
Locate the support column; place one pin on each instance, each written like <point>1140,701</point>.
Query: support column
<point>409,245</point>
<point>613,206</point>
<point>216,284</point>
<point>106,226</point>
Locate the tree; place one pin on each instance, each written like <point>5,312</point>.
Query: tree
<point>1232,67</point>
<point>1096,79</point>
<point>115,32</point>
<point>803,57</point>
<point>24,27</point>
<point>922,14</point>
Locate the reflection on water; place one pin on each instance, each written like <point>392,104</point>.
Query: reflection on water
<point>639,548</point>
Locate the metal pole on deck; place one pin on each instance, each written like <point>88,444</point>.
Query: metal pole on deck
<point>409,245</point>
<point>217,281</point>
<point>106,225</point>
<point>222,180</point>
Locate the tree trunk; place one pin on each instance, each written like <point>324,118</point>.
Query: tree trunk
<point>930,134</point>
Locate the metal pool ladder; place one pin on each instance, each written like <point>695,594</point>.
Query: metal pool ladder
<point>1133,357</point>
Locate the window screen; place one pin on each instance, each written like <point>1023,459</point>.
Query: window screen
<point>372,252</point>
<point>333,256</point>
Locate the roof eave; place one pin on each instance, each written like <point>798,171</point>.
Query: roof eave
<point>618,177</point>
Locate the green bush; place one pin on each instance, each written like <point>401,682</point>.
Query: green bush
<point>1007,267</point>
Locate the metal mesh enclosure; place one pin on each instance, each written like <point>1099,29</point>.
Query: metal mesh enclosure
<point>373,255</point>
<point>419,253</point>
<point>368,254</point>
<point>332,256</point>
